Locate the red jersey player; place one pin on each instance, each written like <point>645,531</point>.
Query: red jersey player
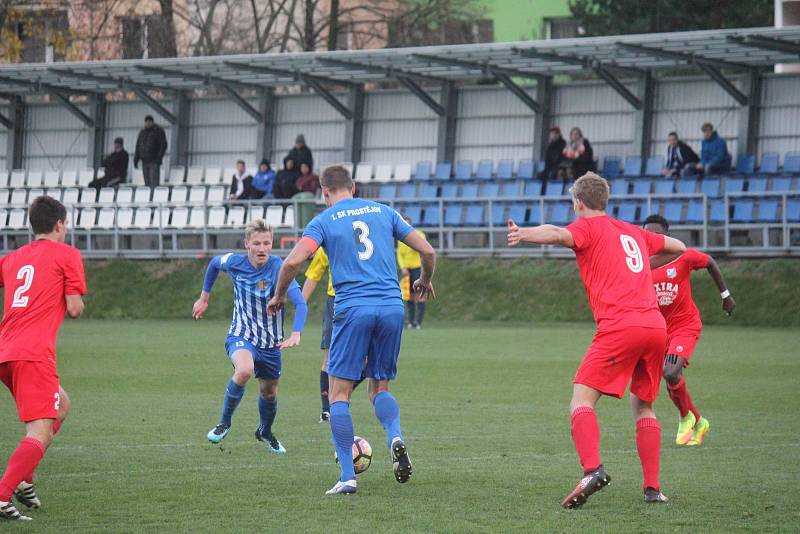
<point>631,335</point>
<point>42,281</point>
<point>672,280</point>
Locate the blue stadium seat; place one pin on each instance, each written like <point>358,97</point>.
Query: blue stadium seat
<point>474,214</point>
<point>791,163</point>
<point>387,191</point>
<point>734,185</point>
<point>499,214</point>
<point>767,210</point>
<point>449,191</point>
<point>407,191</point>
<point>742,211</point>
<point>464,169</point>
<point>628,211</point>
<point>443,170</point>
<point>469,191</point>
<point>770,161</point>
<point>665,186</point>
<point>430,217</point>
<point>746,164</point>
<point>633,166</point>
<point>533,188</point>
<point>781,183</point>
<point>452,214</point>
<point>655,207</point>
<point>710,186</point>
<point>512,189</point>
<point>516,211</point>
<point>757,184</point>
<point>672,210</point>
<point>540,166</point>
<point>612,208</point>
<point>694,212</point>
<point>489,190</point>
<point>655,164</point>
<point>423,171</point>
<point>526,168</point>
<point>619,186</point>
<point>412,211</point>
<point>611,167</point>
<point>716,211</point>
<point>505,169</point>
<point>553,188</point>
<point>428,191</point>
<point>793,210</point>
<point>534,214</point>
<point>687,185</point>
<point>485,169</point>
<point>641,186</point>
<point>559,213</point>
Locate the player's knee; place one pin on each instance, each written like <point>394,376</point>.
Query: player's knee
<point>63,409</point>
<point>243,374</point>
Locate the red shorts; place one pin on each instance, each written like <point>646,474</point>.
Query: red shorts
<point>34,385</point>
<point>616,357</point>
<point>682,343</point>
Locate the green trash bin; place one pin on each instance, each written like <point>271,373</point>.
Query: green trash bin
<point>305,210</point>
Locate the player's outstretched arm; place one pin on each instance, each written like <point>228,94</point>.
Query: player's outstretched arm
<point>74,305</point>
<point>308,287</point>
<point>673,246</point>
<point>299,254</point>
<point>300,314</point>
<point>546,234</point>
<point>728,304</point>
<point>427,255</point>
<point>201,304</point>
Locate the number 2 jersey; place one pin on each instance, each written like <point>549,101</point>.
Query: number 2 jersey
<point>674,290</point>
<point>359,237</point>
<point>36,278</point>
<point>614,262</point>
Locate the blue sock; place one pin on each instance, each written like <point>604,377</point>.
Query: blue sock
<point>388,413</point>
<point>266,411</point>
<point>343,436</point>
<point>233,395</point>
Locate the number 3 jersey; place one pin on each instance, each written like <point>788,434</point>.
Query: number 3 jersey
<point>674,290</point>
<point>614,262</point>
<point>36,279</point>
<point>359,237</point>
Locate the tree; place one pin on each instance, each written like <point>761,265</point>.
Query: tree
<point>167,36</point>
<point>614,17</point>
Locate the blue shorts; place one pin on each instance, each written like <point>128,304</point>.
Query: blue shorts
<point>266,362</point>
<point>327,324</point>
<point>366,333</point>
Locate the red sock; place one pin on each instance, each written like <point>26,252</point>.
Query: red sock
<point>21,466</point>
<point>648,444</point>
<point>682,400</point>
<point>586,435</point>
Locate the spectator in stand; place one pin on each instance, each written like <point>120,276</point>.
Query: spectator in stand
<point>553,154</point>
<point>307,183</point>
<point>578,155</point>
<point>714,155</point>
<point>301,153</point>
<point>263,181</point>
<point>241,183</point>
<point>115,165</point>
<point>151,145</point>
<point>681,159</point>
<point>286,180</point>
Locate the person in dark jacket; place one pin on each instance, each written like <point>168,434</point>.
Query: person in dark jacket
<point>151,145</point>
<point>115,165</point>
<point>553,154</point>
<point>714,155</point>
<point>307,182</point>
<point>263,181</point>
<point>578,155</point>
<point>241,183</point>
<point>286,180</point>
<point>301,153</point>
<point>681,159</point>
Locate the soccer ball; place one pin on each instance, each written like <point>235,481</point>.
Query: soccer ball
<point>362,455</point>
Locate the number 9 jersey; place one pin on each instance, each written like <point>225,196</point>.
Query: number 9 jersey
<point>359,237</point>
<point>614,262</point>
<point>36,279</point>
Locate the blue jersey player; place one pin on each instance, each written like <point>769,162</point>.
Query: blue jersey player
<point>359,237</point>
<point>255,338</point>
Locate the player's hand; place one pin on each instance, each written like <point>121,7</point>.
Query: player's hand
<point>275,305</point>
<point>199,309</point>
<point>423,290</point>
<point>728,305</point>
<point>514,234</point>
<point>292,341</point>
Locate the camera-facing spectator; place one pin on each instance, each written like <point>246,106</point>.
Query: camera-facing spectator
<point>115,165</point>
<point>553,154</point>
<point>681,159</point>
<point>151,145</point>
<point>241,183</point>
<point>714,155</point>
<point>286,179</point>
<point>307,182</point>
<point>263,181</point>
<point>301,153</point>
<point>578,155</point>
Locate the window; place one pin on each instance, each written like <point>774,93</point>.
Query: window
<point>144,37</point>
<point>562,28</point>
<point>43,36</point>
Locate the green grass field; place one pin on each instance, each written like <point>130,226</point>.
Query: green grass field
<point>485,418</point>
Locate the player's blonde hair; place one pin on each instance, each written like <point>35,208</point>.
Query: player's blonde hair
<point>257,226</point>
<point>591,189</point>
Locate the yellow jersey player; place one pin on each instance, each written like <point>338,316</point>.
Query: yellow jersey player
<point>409,262</point>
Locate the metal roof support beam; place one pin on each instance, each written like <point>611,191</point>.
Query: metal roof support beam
<point>242,102</point>
<point>420,93</point>
<point>354,128</point>
<point>156,106</point>
<point>203,78</point>
<point>519,92</point>
<point>556,58</point>
<point>299,77</point>
<point>389,72</point>
<point>121,83</point>
<point>618,86</point>
<point>179,131</point>
<point>446,137</point>
<point>750,115</point>
<point>6,122</point>
<point>97,137</point>
<point>691,59</point>
<point>767,43</point>
<point>486,68</point>
<point>72,108</point>
<point>643,118</point>
<point>724,82</point>
<point>15,137</point>
<point>544,117</point>
<point>265,134</point>
<point>330,98</point>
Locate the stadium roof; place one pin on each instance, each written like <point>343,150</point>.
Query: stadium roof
<point>711,51</point>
